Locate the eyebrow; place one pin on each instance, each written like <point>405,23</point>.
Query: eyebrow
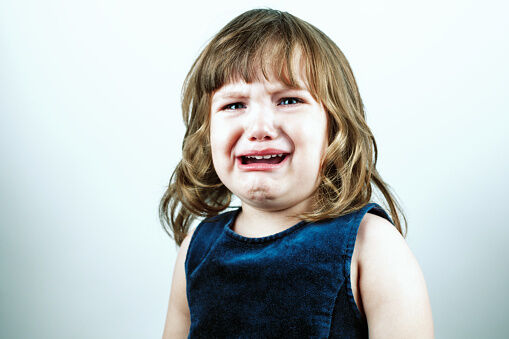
<point>245,94</point>
<point>231,95</point>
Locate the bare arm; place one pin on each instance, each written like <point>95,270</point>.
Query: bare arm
<point>178,319</point>
<point>392,285</point>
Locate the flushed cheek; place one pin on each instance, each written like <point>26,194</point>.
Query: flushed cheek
<point>308,137</point>
<point>309,148</point>
<point>223,138</point>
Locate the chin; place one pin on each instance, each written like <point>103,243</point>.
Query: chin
<point>265,201</point>
<point>260,195</point>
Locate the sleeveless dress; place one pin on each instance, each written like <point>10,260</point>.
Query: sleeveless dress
<point>292,284</point>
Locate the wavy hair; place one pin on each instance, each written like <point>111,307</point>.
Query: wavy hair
<point>268,40</point>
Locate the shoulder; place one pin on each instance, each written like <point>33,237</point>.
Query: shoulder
<point>391,283</point>
<point>375,233</point>
<point>178,317</point>
<point>179,275</point>
<point>187,240</point>
<point>184,247</point>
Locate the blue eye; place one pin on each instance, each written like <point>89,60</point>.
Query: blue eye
<point>290,101</point>
<point>235,106</point>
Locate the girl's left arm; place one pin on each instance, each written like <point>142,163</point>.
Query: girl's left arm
<point>392,286</point>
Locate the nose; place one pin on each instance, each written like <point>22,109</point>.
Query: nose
<point>261,126</point>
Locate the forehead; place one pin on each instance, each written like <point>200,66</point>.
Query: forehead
<point>270,64</point>
<point>271,86</point>
<point>269,80</point>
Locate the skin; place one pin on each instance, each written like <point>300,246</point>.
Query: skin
<point>178,317</point>
<point>260,115</point>
<point>387,282</point>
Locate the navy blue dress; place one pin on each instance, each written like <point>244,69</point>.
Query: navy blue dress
<point>292,284</point>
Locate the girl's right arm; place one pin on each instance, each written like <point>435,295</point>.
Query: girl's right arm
<point>178,319</point>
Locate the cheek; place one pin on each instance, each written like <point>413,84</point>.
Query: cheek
<point>223,136</point>
<point>311,135</point>
<point>311,139</point>
<point>216,145</point>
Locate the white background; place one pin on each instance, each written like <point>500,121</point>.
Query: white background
<point>91,129</point>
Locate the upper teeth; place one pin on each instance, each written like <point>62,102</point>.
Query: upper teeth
<point>264,156</point>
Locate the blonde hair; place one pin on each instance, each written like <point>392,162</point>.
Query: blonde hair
<point>268,39</point>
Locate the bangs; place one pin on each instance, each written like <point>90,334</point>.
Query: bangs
<point>276,49</point>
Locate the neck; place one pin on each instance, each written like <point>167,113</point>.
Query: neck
<point>257,222</point>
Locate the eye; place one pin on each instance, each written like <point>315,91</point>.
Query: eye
<point>290,101</point>
<point>234,106</point>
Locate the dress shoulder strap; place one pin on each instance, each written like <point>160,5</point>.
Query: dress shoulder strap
<point>376,209</point>
<point>204,238</point>
<point>354,220</point>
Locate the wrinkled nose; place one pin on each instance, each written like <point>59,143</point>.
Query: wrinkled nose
<point>261,125</point>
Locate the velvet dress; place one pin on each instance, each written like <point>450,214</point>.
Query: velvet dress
<point>292,284</point>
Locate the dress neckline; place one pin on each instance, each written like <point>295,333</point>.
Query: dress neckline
<point>254,240</point>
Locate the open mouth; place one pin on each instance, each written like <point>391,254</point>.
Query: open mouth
<point>263,159</point>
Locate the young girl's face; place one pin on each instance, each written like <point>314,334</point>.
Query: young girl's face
<point>285,126</point>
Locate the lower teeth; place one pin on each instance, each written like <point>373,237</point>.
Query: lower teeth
<point>274,160</point>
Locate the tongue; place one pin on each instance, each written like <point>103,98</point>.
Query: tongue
<point>274,160</point>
